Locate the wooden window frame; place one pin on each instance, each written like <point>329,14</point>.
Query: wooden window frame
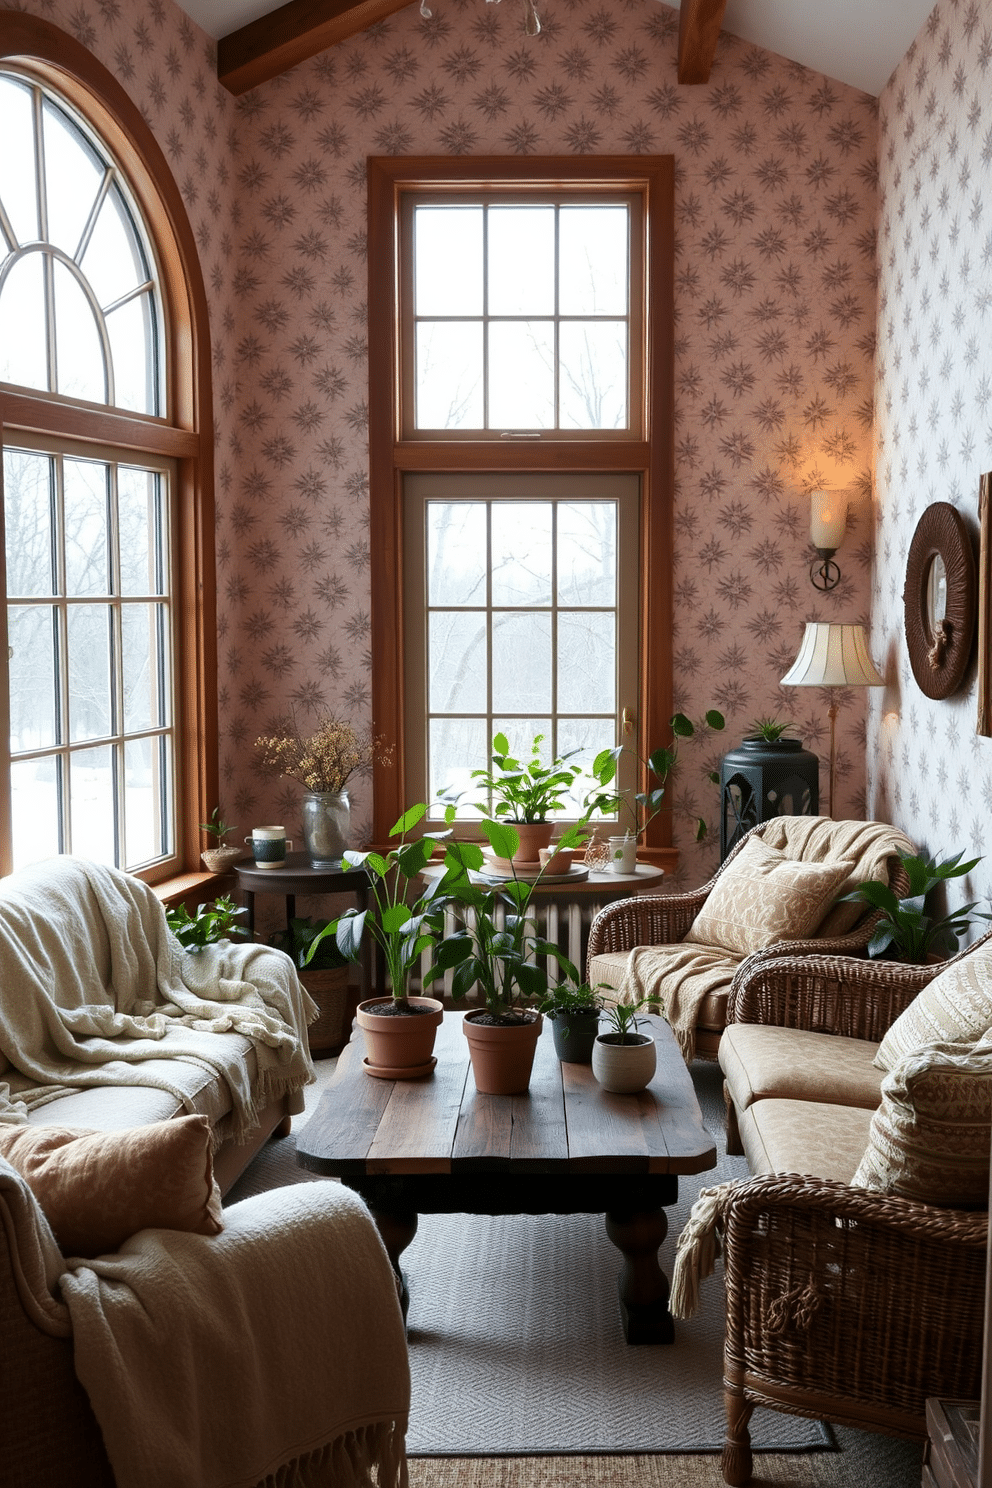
<point>391,457</point>
<point>51,56</point>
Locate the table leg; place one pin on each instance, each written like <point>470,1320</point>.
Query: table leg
<point>643,1286</point>
<point>397,1228</point>
<point>290,912</point>
<point>249,899</point>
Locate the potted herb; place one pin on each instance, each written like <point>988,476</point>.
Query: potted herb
<point>624,1060</point>
<point>496,950</point>
<point>574,1015</point>
<point>606,799</point>
<point>222,856</point>
<point>213,921</point>
<point>324,975</point>
<point>905,931</point>
<point>768,730</point>
<point>527,793</point>
<point>399,1029</point>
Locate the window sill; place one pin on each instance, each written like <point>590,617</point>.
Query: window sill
<point>185,885</point>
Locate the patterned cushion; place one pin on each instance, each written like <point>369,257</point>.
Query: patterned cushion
<point>98,1188</point>
<point>762,897</point>
<point>955,1008</point>
<point>930,1136</point>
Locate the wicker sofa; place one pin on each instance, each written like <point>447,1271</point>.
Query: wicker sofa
<point>844,1302</point>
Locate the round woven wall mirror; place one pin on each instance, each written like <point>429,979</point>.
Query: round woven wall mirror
<point>940,600</point>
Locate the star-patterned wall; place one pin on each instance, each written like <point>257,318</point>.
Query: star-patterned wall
<point>928,769</point>
<point>776,211</point>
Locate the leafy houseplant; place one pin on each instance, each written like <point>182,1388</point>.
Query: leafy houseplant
<point>222,855</point>
<point>624,1060</point>
<point>658,765</point>
<point>768,730</point>
<point>574,1013</point>
<point>527,792</point>
<point>905,931</point>
<point>212,922</point>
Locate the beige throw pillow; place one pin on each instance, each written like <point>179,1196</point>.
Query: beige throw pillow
<point>929,1138</point>
<point>98,1188</point>
<point>763,897</point>
<point>955,1008</point>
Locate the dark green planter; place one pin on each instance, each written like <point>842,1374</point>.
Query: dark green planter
<point>759,780</point>
<point>574,1036</point>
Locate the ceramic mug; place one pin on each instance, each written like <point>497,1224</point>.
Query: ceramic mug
<point>269,846</point>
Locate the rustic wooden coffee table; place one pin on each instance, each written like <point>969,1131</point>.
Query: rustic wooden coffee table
<point>435,1146</point>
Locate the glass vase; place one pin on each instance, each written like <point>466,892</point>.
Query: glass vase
<point>326,824</point>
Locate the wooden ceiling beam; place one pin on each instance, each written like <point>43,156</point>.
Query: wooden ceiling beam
<point>295,32</point>
<point>699,31</point>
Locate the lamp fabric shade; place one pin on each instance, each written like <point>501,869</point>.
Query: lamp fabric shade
<point>833,656</point>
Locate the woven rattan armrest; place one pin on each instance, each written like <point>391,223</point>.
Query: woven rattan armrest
<point>847,995</point>
<point>649,919</point>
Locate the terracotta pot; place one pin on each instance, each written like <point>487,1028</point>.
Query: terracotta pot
<point>533,836</point>
<point>502,1057</point>
<point>399,1047</point>
<point>624,1068</point>
<point>556,860</point>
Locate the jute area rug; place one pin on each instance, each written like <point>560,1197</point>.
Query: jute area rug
<point>518,1360</point>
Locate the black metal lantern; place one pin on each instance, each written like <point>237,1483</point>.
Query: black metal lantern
<point>761,779</point>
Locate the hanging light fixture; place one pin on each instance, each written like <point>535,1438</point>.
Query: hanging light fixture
<point>532,21</point>
<point>827,522</point>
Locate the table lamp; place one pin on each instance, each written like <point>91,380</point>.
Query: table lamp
<point>833,656</point>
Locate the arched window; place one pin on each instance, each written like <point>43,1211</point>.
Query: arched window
<point>108,666</point>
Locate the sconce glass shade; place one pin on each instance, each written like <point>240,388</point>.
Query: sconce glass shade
<point>833,656</point>
<point>827,520</point>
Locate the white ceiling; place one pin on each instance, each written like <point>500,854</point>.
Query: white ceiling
<point>856,41</point>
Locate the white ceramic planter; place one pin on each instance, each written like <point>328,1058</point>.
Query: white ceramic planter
<point>624,1068</point>
<point>623,854</point>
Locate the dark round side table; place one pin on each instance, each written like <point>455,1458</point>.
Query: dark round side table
<point>300,877</point>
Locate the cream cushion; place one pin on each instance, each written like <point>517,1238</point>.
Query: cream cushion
<point>790,1136</point>
<point>929,1138</point>
<point>762,1061</point>
<point>763,897</point>
<point>955,1008</point>
<point>98,1188</point>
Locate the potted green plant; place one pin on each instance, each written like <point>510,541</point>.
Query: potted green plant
<point>768,730</point>
<point>607,800</point>
<point>399,1029</point>
<point>905,931</point>
<point>324,975</point>
<point>573,1012</point>
<point>527,792</point>
<point>213,921</point>
<point>496,950</point>
<point>623,1059</point>
<point>222,856</point>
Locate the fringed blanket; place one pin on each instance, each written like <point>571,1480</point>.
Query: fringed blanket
<point>272,1354</point>
<point>95,985</point>
<point>679,977</point>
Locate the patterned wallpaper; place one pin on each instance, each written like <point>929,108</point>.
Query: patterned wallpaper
<point>927,768</point>
<point>776,209</point>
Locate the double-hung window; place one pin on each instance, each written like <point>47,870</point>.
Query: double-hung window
<point>520,460</point>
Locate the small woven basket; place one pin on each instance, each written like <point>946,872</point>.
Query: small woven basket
<point>329,990</point>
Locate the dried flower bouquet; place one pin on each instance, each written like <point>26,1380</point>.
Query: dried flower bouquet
<point>325,760</point>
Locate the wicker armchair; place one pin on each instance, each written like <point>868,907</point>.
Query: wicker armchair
<point>843,1304</point>
<point>662,919</point>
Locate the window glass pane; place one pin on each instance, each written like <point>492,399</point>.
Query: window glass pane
<point>82,369</point>
<point>448,261</point>
<point>589,736</point>
<point>31,636</point>
<point>522,551</point>
<point>87,559</point>
<point>456,662</point>
<point>23,350</point>
<point>131,329</point>
<point>34,803</point>
<point>17,167</point>
<point>521,662</point>
<point>522,374</point>
<point>142,699</point>
<point>147,789</point>
<point>91,802</point>
<point>27,490</point>
<point>74,175</point>
<point>521,261</point>
<point>141,540</point>
<point>456,553</point>
<point>114,262</point>
<point>587,552</point>
<point>89,671</point>
<point>521,733</point>
<point>593,263</point>
<point>593,374</point>
<point>458,746</point>
<point>449,375</point>
<point>586,661</point>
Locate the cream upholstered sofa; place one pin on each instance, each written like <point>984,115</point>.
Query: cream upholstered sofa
<point>861,1093</point>
<point>147,1331</point>
<point>780,889</point>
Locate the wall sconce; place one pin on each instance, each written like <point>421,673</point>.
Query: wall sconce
<point>827,522</point>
